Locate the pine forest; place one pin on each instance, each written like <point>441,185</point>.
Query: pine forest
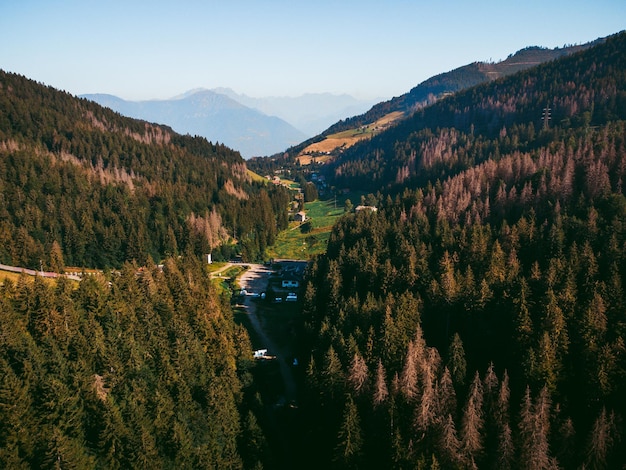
<point>471,315</point>
<point>477,318</point>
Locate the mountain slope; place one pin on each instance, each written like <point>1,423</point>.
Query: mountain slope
<point>365,125</point>
<point>476,318</point>
<point>490,108</point>
<point>459,79</point>
<point>132,367</point>
<point>214,116</point>
<point>103,189</point>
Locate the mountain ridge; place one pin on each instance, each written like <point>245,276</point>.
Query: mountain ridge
<point>459,112</point>
<point>441,85</point>
<point>470,75</point>
<point>214,116</point>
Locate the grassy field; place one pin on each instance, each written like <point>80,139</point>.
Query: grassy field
<point>293,244</point>
<point>225,281</point>
<point>289,183</point>
<point>301,241</point>
<point>256,177</point>
<point>345,139</point>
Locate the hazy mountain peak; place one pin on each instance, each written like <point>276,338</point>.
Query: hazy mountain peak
<point>215,116</point>
<point>226,91</point>
<point>188,93</point>
<point>310,112</point>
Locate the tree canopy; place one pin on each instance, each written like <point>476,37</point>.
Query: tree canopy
<point>476,320</point>
<point>105,189</point>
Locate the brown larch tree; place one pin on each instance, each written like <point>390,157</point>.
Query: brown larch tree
<point>358,374</point>
<point>472,423</point>
<point>380,387</point>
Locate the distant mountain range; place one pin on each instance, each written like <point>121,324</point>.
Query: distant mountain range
<point>268,126</point>
<point>214,116</point>
<point>311,113</point>
<point>253,126</point>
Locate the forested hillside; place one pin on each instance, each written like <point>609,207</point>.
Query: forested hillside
<point>124,372</point>
<point>439,86</point>
<point>489,120</point>
<point>456,80</point>
<point>81,184</point>
<point>132,367</point>
<point>477,318</point>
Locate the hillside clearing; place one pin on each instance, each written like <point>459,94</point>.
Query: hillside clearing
<point>303,240</point>
<point>320,151</point>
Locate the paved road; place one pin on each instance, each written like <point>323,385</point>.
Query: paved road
<point>255,280</point>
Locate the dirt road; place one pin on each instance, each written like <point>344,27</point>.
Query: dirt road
<point>254,280</point>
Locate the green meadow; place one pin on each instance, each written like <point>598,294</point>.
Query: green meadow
<point>301,241</point>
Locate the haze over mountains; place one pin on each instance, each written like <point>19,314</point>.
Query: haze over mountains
<point>270,125</point>
<point>214,116</point>
<point>253,126</point>
<point>311,113</point>
<point>474,319</point>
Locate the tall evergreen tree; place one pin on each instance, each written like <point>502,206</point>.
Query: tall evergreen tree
<point>348,451</point>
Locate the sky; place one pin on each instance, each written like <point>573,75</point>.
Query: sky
<point>157,49</point>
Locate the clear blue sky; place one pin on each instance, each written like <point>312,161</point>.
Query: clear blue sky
<point>146,49</point>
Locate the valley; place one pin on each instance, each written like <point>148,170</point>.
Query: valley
<point>272,327</point>
<point>436,283</point>
<point>304,240</point>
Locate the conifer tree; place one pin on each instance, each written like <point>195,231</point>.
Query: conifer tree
<point>456,360</point>
<point>380,387</point>
<point>16,416</point>
<point>426,408</point>
<point>410,374</point>
<point>449,444</point>
<point>358,374</point>
<point>255,449</point>
<point>446,395</point>
<point>601,440</point>
<point>534,427</point>
<point>505,452</point>
<point>349,447</point>
<point>472,424</point>
<point>332,375</point>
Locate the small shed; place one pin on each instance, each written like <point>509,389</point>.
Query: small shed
<point>300,216</point>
